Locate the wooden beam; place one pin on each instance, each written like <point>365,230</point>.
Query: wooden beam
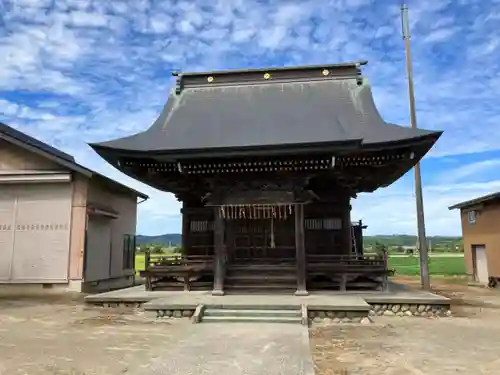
<point>300,250</point>
<point>219,253</point>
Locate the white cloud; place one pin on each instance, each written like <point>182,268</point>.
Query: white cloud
<point>87,19</point>
<point>393,210</point>
<point>440,35</point>
<point>473,169</point>
<point>85,70</point>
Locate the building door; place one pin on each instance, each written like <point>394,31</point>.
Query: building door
<point>98,248</point>
<point>35,232</point>
<point>42,233</point>
<point>480,264</point>
<point>261,239</point>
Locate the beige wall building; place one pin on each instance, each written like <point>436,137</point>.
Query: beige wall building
<point>61,224</point>
<point>481,235</point>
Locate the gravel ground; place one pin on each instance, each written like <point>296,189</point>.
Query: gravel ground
<point>61,336</point>
<point>465,344</point>
<point>54,335</point>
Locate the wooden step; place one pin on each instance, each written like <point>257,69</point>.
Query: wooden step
<point>262,277</point>
<point>259,271</point>
<point>262,281</point>
<point>260,287</point>
<point>269,266</point>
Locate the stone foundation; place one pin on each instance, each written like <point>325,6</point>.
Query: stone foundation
<point>364,317</point>
<point>338,316</point>
<point>423,310</point>
<point>172,313</point>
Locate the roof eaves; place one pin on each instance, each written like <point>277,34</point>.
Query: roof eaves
<point>476,201</point>
<point>114,182</point>
<point>266,150</point>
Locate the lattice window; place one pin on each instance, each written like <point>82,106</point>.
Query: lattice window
<point>323,224</point>
<point>201,226</point>
<point>332,223</point>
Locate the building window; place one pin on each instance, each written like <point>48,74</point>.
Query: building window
<point>201,226</point>
<point>471,217</point>
<point>323,224</point>
<point>129,251</point>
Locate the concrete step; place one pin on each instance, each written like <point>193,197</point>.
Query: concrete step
<point>251,313</point>
<point>251,319</point>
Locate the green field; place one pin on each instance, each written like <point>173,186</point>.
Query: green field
<point>139,262</point>
<point>445,265</point>
<point>404,265</point>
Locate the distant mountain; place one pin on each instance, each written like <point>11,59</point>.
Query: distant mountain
<point>409,240</point>
<point>173,239</point>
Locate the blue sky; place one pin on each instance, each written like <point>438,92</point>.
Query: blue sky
<point>77,71</point>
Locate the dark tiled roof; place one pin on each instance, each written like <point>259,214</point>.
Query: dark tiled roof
<point>58,155</point>
<point>240,109</point>
<point>484,199</point>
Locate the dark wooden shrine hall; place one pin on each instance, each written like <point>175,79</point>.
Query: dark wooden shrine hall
<point>265,163</point>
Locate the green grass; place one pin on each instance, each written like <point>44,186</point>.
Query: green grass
<point>404,266</point>
<point>410,265</point>
<point>139,262</point>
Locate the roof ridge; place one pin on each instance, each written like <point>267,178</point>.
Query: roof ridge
<point>274,69</point>
<point>266,75</point>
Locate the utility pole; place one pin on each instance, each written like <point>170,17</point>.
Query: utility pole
<point>422,242</point>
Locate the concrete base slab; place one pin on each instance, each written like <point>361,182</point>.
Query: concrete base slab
<point>397,294</point>
<point>187,301</point>
<point>407,297</point>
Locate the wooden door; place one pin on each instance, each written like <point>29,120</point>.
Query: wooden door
<point>250,238</point>
<point>261,239</point>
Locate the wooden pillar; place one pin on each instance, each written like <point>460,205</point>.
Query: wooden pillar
<point>219,254</point>
<point>385,279</point>
<point>185,229</point>
<point>300,255</point>
<point>346,228</point>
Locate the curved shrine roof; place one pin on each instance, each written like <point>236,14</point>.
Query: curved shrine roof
<point>267,107</point>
